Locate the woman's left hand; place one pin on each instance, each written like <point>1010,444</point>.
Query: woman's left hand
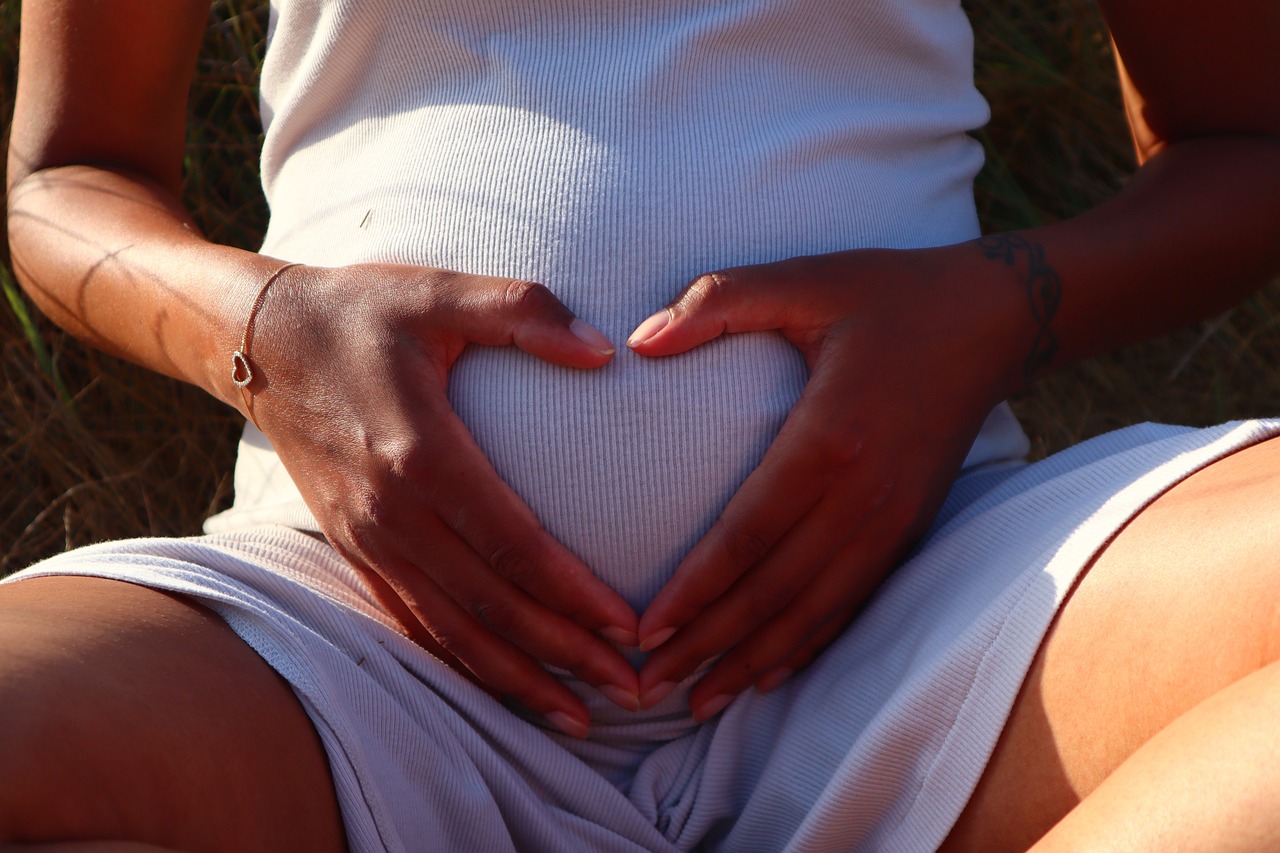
<point>908,351</point>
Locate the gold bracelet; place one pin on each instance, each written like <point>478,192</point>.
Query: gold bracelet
<point>241,366</point>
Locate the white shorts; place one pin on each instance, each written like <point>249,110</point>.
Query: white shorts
<point>876,746</point>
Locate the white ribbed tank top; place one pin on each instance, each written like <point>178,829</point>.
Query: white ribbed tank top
<point>613,150</point>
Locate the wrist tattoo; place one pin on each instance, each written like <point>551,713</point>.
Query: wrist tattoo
<point>1044,293</point>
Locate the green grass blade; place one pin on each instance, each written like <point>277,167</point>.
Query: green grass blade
<point>44,359</point>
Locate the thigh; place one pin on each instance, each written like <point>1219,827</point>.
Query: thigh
<point>1179,606</point>
<point>132,714</point>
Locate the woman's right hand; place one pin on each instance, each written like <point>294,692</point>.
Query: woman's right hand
<point>351,370</point>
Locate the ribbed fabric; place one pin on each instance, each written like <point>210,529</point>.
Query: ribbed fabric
<point>875,747</point>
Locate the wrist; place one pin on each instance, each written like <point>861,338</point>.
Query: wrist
<point>1032,291</point>
<point>248,330</point>
<point>242,360</point>
<point>981,297</point>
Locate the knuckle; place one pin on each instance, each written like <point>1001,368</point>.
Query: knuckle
<point>515,562</point>
<point>389,463</point>
<point>833,448</point>
<point>527,297</point>
<point>402,458</point>
<point>707,290</point>
<point>368,511</point>
<point>574,658</point>
<point>746,544</point>
<point>399,469</point>
<point>576,610</point>
<point>498,616</point>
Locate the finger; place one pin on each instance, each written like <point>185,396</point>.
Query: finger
<point>506,312</point>
<point>494,662</point>
<point>742,536</point>
<point>390,602</point>
<point>492,557</point>
<point>504,610</point>
<point>800,630</point>
<point>809,649</point>
<point>809,624</point>
<point>808,548</point>
<point>803,628</point>
<point>765,669</point>
<point>740,299</point>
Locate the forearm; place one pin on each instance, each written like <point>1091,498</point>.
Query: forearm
<point>114,259</point>
<point>1194,232</point>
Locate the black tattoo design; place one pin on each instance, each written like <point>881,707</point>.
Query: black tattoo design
<point>1044,293</point>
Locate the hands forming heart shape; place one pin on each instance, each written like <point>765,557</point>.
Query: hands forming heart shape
<point>906,357</point>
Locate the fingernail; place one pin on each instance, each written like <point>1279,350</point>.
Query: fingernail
<point>622,698</point>
<point>774,680</point>
<point>713,706</point>
<point>650,327</point>
<point>656,639</point>
<point>591,336</point>
<point>657,693</point>
<point>621,636</point>
<point>567,724</point>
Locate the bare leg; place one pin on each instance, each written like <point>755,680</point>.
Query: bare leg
<point>128,714</point>
<point>1150,719</point>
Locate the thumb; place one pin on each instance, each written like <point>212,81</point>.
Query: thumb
<point>529,316</point>
<point>735,300</point>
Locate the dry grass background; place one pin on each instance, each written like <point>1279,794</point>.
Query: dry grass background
<point>91,448</point>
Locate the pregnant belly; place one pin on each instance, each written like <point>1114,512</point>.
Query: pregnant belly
<point>630,464</point>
